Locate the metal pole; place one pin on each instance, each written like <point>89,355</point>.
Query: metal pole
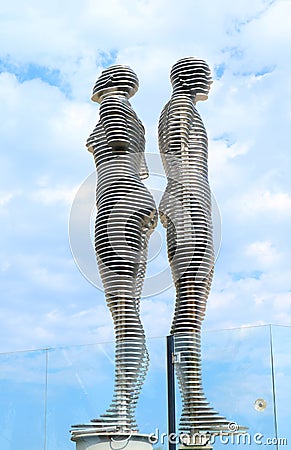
<point>273,386</point>
<point>171,394</point>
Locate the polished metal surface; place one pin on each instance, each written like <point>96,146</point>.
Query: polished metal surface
<point>185,211</point>
<point>126,216</point>
<point>113,441</point>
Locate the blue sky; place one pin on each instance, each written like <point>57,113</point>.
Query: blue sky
<point>50,56</point>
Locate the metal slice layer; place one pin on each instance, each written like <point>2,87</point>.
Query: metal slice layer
<point>185,211</point>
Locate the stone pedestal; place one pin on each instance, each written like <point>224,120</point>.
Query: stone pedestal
<point>196,447</point>
<point>196,442</point>
<point>107,441</point>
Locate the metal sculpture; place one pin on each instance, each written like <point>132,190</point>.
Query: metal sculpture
<point>126,216</point>
<point>185,211</point>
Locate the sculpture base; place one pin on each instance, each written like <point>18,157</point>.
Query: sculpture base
<point>113,441</point>
<point>196,447</point>
<point>195,442</point>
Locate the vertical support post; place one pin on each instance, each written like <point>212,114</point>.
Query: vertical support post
<point>171,393</point>
<point>273,386</point>
<point>46,350</point>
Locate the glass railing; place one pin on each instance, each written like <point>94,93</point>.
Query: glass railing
<point>246,378</point>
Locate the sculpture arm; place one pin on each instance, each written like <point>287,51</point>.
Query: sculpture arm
<point>143,171</point>
<point>176,122</point>
<point>114,118</point>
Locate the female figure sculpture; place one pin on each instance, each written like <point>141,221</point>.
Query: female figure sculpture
<point>126,216</point>
<point>185,211</point>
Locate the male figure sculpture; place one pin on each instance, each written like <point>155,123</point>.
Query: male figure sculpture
<point>126,216</point>
<point>185,211</point>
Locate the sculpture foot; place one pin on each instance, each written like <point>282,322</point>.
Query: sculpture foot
<point>122,421</point>
<point>208,422</point>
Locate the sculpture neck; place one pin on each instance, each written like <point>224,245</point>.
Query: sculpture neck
<point>182,91</point>
<point>117,94</point>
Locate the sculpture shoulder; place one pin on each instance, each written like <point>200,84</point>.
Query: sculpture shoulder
<point>121,127</point>
<point>179,104</point>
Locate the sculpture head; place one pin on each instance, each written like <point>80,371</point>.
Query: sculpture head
<point>115,79</point>
<point>191,76</point>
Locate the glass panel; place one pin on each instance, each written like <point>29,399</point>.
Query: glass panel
<point>37,408</point>
<point>152,407</point>
<point>22,400</point>
<point>282,370</point>
<point>236,373</point>
<point>80,383</point>
<point>80,388</point>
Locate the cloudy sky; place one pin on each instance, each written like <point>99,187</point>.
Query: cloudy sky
<point>51,53</point>
<point>50,56</point>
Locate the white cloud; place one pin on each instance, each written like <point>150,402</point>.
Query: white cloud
<point>267,37</point>
<point>225,164</point>
<point>264,201</point>
<point>50,56</point>
<point>44,124</point>
<point>156,316</point>
<point>49,279</point>
<point>51,195</point>
<point>5,198</point>
<point>282,303</point>
<point>264,253</point>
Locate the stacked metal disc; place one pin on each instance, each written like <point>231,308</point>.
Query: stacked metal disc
<point>126,216</point>
<point>185,211</point>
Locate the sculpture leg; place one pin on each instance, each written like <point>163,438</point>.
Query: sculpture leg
<point>191,267</point>
<point>130,364</point>
<point>197,415</point>
<point>121,260</point>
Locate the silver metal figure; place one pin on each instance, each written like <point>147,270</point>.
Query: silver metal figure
<point>185,211</point>
<point>126,216</point>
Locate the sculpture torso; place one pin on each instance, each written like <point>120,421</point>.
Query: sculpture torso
<point>185,209</point>
<point>117,144</point>
<point>183,146</point>
<point>126,209</point>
